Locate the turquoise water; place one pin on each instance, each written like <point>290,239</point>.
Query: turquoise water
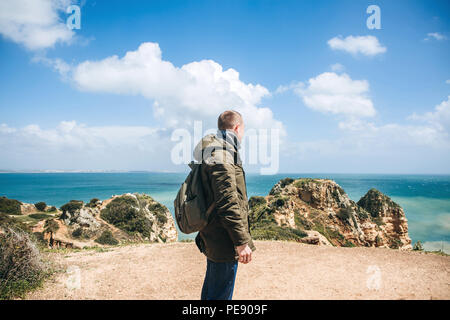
<point>425,198</point>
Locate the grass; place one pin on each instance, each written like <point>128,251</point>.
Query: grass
<point>303,181</point>
<point>275,232</point>
<point>73,250</point>
<point>41,216</point>
<point>328,233</point>
<point>438,252</point>
<point>301,221</point>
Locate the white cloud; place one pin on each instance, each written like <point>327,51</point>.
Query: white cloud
<point>447,81</point>
<point>436,36</point>
<point>56,64</point>
<point>74,146</point>
<point>34,23</point>
<point>196,91</point>
<point>337,67</point>
<point>438,118</point>
<point>337,94</point>
<point>422,145</point>
<point>365,147</point>
<point>367,45</point>
<point>293,86</point>
<point>433,129</point>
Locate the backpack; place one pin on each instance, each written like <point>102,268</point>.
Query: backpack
<point>191,209</point>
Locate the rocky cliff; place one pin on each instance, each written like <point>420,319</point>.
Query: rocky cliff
<point>122,218</point>
<point>318,211</point>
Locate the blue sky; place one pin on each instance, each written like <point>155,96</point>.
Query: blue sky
<point>79,118</point>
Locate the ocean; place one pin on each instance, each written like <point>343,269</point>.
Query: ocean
<point>425,198</point>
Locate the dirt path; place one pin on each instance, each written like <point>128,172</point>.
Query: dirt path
<point>279,270</point>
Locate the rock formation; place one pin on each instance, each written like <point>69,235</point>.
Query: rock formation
<point>128,218</point>
<point>295,209</point>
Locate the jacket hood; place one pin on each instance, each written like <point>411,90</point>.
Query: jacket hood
<point>218,148</point>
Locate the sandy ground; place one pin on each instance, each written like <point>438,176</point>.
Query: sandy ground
<point>279,270</point>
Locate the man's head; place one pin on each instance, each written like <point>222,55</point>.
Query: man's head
<point>231,120</point>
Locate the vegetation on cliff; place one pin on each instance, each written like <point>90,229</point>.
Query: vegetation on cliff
<point>295,207</point>
<point>107,238</point>
<point>21,265</point>
<point>10,206</point>
<point>125,213</point>
<point>264,225</point>
<point>25,228</point>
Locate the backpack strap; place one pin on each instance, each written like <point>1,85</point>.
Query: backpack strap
<point>210,209</point>
<point>192,164</point>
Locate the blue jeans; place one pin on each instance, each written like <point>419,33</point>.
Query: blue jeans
<point>219,280</point>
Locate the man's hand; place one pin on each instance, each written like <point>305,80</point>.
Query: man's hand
<point>245,253</point>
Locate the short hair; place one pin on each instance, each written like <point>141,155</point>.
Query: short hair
<point>228,119</point>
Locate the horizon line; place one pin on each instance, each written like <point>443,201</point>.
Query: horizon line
<point>3,171</point>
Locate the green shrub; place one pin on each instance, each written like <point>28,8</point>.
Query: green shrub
<point>21,265</point>
<point>344,214</point>
<point>72,206</point>
<point>279,202</point>
<point>52,209</point>
<point>40,206</point>
<point>107,238</point>
<point>286,181</point>
<point>362,214</point>
<point>418,246</point>
<point>93,202</point>
<point>396,244</point>
<point>51,226</point>
<point>10,206</point>
<point>77,233</point>
<point>256,201</point>
<point>157,207</point>
<point>348,244</point>
<point>124,213</point>
<point>378,241</point>
<point>162,218</point>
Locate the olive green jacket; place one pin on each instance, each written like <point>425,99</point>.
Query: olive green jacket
<point>223,180</point>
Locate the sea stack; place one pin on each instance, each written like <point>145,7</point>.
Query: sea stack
<point>318,211</point>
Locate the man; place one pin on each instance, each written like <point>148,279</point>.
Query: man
<point>226,239</point>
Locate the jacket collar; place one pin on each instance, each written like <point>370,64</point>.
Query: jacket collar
<point>230,137</point>
<point>213,147</point>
